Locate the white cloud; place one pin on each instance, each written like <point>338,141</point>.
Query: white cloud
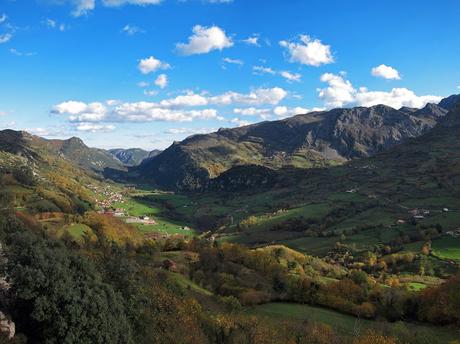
<point>205,40</point>
<point>3,18</point>
<point>162,81</point>
<point>258,96</point>
<point>340,92</point>
<point>385,72</point>
<point>187,100</point>
<point>240,122</point>
<point>95,128</point>
<point>147,112</point>
<point>49,131</point>
<point>396,98</point>
<point>277,112</point>
<point>6,37</point>
<point>83,7</point>
<point>3,113</point>
<point>173,109</point>
<point>118,3</point>
<point>233,61</point>
<point>283,111</point>
<point>151,64</point>
<point>253,40</point>
<point>308,51</point>
<point>189,131</point>
<point>131,30</point>
<point>81,112</point>
<point>260,70</point>
<point>290,76</point>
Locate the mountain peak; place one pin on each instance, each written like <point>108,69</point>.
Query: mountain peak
<point>449,102</point>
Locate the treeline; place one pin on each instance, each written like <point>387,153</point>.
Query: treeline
<point>261,276</point>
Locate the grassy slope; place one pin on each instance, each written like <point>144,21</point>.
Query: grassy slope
<point>423,173</point>
<point>347,324</point>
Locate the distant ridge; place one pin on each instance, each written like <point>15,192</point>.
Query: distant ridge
<point>309,140</point>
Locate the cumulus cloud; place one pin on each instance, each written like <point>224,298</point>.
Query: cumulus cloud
<point>171,110</point>
<point>276,112</point>
<point>81,112</point>
<point>189,131</point>
<point>189,99</point>
<point>385,72</point>
<point>148,112</point>
<point>308,51</point>
<point>257,96</point>
<point>161,81</point>
<point>151,64</point>
<point>340,92</point>
<point>94,128</point>
<point>205,40</point>
<point>3,18</point>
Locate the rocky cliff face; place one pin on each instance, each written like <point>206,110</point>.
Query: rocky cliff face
<point>311,140</point>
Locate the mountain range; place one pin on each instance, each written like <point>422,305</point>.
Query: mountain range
<point>133,156</point>
<point>316,139</point>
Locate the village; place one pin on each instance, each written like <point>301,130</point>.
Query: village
<point>111,202</point>
<point>110,198</point>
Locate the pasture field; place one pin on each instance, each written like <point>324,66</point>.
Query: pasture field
<point>161,208</point>
<point>349,325</point>
<point>447,248</point>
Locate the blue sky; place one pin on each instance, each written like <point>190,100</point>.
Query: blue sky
<point>143,73</point>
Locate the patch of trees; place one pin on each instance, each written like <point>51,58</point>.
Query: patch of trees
<point>57,296</point>
<point>260,276</point>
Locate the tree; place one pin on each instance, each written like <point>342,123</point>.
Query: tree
<point>59,297</point>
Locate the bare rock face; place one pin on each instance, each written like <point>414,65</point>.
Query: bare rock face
<point>7,326</point>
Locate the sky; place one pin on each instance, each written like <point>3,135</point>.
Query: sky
<point>146,73</point>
